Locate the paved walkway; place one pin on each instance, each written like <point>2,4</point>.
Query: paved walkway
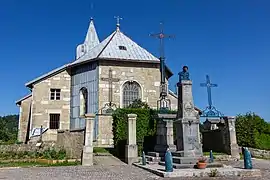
<point>108,172</point>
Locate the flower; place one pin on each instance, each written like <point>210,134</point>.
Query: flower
<point>202,159</point>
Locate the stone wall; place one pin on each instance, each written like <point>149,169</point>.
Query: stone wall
<point>72,141</point>
<point>146,75</point>
<point>27,147</point>
<point>42,106</point>
<point>105,134</point>
<point>174,100</point>
<point>258,153</point>
<point>24,118</point>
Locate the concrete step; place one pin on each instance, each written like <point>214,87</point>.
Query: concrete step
<point>152,158</point>
<point>185,160</point>
<point>155,154</point>
<point>185,166</point>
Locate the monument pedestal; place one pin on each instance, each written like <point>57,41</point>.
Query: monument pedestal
<point>187,125</point>
<point>165,133</point>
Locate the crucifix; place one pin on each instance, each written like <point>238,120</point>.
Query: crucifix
<point>210,111</point>
<point>209,85</point>
<point>118,21</point>
<point>163,102</point>
<point>110,79</point>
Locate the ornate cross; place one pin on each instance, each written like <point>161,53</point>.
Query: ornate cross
<point>163,102</point>
<point>118,21</point>
<point>210,111</point>
<point>110,79</point>
<point>209,85</point>
<point>161,37</point>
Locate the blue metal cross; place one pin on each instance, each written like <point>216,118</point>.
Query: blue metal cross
<point>209,86</point>
<point>210,111</point>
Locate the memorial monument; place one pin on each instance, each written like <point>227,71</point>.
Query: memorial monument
<point>187,122</point>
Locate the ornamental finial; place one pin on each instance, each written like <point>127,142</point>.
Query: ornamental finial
<point>118,21</point>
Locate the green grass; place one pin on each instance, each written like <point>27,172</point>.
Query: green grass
<point>214,153</point>
<point>36,164</point>
<point>100,150</point>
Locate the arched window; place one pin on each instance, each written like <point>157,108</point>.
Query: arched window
<point>83,101</point>
<point>131,92</point>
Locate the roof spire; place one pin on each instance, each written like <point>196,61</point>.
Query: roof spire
<point>91,38</point>
<point>118,22</point>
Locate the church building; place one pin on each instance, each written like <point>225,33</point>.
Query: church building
<point>109,73</point>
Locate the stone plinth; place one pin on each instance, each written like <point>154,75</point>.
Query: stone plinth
<point>187,123</point>
<point>87,157</point>
<point>230,137</point>
<point>165,133</point>
<point>131,149</point>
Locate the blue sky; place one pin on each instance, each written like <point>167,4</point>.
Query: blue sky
<point>228,40</point>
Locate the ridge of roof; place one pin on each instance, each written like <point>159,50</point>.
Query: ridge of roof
<point>59,69</point>
<point>23,98</point>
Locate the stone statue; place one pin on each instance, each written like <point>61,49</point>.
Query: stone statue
<point>184,75</point>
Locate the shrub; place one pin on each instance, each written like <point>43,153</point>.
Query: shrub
<point>145,128</point>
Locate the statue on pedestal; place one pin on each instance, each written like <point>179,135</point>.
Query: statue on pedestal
<point>184,75</point>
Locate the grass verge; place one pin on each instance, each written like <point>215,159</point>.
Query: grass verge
<point>36,164</point>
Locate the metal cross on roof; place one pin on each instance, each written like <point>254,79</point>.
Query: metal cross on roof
<point>110,79</point>
<point>163,102</point>
<point>210,111</point>
<point>118,18</point>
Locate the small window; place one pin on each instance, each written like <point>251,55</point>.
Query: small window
<point>54,121</point>
<point>55,94</point>
<point>122,48</point>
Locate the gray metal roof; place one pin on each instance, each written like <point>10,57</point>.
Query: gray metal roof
<point>55,71</point>
<point>110,49</point>
<point>25,97</point>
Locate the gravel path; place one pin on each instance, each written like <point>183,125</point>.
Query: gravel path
<point>110,172</point>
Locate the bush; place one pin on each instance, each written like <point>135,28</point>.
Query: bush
<point>252,131</point>
<point>145,128</point>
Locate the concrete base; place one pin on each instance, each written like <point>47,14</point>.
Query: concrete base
<point>226,171</point>
<point>163,148</point>
<point>131,154</point>
<point>87,157</point>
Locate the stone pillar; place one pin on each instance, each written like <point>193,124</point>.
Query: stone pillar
<point>231,145</point>
<point>187,123</point>
<point>131,149</point>
<point>87,157</point>
<point>165,133</point>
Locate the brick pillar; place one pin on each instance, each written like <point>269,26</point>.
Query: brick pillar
<point>131,150</point>
<point>87,157</point>
<point>231,145</point>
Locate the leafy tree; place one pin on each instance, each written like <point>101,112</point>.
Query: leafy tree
<point>9,128</point>
<point>252,131</point>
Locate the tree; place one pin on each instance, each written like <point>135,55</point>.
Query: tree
<point>9,128</point>
<point>252,131</point>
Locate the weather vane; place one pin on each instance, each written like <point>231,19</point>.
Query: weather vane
<point>210,110</point>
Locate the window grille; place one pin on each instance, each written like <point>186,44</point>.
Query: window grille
<point>54,121</point>
<point>55,94</point>
<point>131,92</point>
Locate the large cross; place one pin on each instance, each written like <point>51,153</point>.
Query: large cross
<point>161,37</point>
<point>110,79</point>
<point>209,85</point>
<point>163,102</point>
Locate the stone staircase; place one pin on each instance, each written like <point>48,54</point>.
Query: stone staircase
<point>179,161</point>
